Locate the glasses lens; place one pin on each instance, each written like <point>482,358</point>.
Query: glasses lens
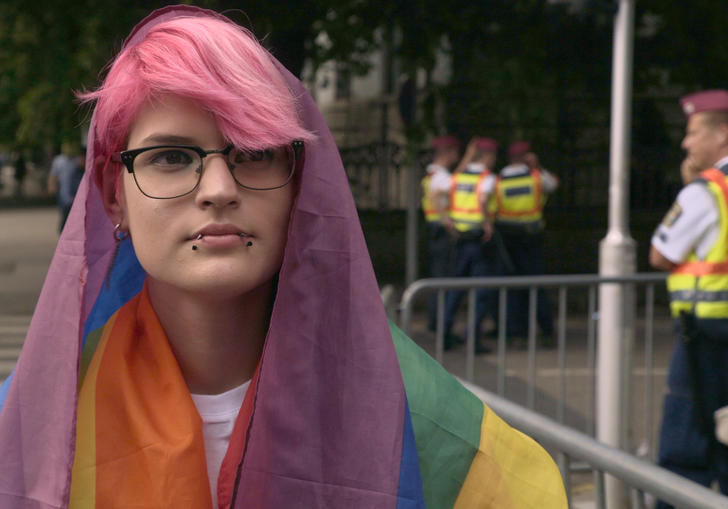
<point>165,172</point>
<point>262,169</point>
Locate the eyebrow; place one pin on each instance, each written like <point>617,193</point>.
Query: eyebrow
<point>164,139</point>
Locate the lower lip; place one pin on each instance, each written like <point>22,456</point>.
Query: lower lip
<point>222,241</point>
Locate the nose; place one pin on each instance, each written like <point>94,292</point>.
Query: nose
<point>684,143</point>
<point>217,186</point>
<point>687,140</point>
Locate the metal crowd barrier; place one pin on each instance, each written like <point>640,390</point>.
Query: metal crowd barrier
<point>562,284</point>
<point>641,476</point>
<point>572,447</point>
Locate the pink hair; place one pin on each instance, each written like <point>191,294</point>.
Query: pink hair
<point>217,63</point>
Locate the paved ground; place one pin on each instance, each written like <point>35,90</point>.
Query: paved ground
<point>28,238</point>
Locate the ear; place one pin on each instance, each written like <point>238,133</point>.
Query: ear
<point>722,131</point>
<point>109,181</point>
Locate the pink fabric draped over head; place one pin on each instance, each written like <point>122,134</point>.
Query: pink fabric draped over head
<point>327,423</point>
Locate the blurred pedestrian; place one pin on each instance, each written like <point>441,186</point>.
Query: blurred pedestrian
<point>81,167</point>
<point>691,242</point>
<point>474,254</point>
<point>63,181</point>
<point>20,172</point>
<point>435,200</point>
<point>521,189</point>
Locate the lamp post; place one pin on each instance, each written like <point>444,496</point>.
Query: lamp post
<point>617,256</point>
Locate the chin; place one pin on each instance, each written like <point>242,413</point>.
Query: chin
<point>222,286</point>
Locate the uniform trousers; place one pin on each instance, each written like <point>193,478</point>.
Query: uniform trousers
<point>688,445</point>
<point>525,258</point>
<point>441,250</point>
<point>473,258</point>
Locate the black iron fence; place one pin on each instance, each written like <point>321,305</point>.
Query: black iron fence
<point>576,151</point>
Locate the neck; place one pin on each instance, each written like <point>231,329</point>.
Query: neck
<point>720,155</point>
<point>217,342</point>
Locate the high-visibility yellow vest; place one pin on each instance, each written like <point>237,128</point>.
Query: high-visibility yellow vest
<point>520,198</point>
<point>701,286</point>
<point>465,200</point>
<point>431,214</point>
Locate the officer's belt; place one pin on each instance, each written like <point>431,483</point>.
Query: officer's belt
<point>699,295</point>
<point>470,234</point>
<point>519,227</point>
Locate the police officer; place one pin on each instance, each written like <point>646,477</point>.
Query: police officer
<point>473,229</point>
<point>435,196</point>
<point>692,243</point>
<point>520,192</point>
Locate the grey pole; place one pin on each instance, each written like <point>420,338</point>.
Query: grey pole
<point>413,169</point>
<point>617,255</point>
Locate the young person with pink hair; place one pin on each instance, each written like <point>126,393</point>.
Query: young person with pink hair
<point>210,333</point>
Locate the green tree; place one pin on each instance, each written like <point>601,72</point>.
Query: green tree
<point>49,50</point>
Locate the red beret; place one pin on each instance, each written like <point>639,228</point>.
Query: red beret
<point>486,144</point>
<point>707,100</point>
<point>447,141</point>
<point>519,148</point>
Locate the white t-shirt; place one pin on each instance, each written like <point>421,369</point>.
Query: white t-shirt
<point>549,182</point>
<point>218,413</point>
<point>440,178</point>
<point>691,224</point>
<point>487,185</point>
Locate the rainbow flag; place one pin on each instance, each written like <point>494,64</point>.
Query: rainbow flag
<point>456,453</point>
<point>468,456</point>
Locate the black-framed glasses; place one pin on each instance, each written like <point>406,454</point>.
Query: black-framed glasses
<point>170,171</point>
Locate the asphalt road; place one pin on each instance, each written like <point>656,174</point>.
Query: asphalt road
<point>27,240</point>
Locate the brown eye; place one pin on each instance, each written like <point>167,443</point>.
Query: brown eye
<point>171,158</point>
<point>261,155</point>
<point>258,155</point>
<point>166,159</point>
<point>240,156</point>
<point>237,156</point>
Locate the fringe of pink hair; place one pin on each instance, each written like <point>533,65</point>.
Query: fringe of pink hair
<point>217,63</point>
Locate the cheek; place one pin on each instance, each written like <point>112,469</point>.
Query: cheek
<point>279,217</point>
<point>146,218</point>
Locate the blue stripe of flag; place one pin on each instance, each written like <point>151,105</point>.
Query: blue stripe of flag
<point>409,492</point>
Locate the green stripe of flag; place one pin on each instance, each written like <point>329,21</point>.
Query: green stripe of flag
<point>446,418</point>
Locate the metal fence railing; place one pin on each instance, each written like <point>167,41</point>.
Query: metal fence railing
<point>561,285</point>
<point>638,475</point>
<point>575,451</point>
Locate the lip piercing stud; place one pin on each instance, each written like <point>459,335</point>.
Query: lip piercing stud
<point>194,247</point>
<point>249,244</point>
